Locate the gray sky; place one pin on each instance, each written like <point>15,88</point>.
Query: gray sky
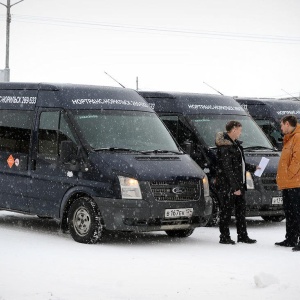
<point>240,47</point>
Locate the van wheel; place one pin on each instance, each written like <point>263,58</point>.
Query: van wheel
<point>180,233</point>
<point>273,218</point>
<point>214,219</point>
<point>85,222</point>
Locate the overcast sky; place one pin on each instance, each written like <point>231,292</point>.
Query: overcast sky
<point>239,47</point>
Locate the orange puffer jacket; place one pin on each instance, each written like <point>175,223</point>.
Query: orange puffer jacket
<point>288,173</point>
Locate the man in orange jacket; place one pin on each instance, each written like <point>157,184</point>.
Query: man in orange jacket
<point>288,180</point>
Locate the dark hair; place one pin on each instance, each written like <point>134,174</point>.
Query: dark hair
<point>291,119</point>
<point>229,126</point>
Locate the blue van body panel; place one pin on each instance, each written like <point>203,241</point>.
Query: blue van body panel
<point>149,167</point>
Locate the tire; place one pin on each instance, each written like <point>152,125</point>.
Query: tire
<point>84,221</point>
<point>180,233</point>
<point>273,218</point>
<point>215,217</point>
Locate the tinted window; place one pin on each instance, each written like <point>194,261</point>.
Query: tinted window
<point>15,130</point>
<point>53,129</point>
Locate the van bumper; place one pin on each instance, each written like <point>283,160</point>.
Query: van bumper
<point>141,216</point>
<point>259,203</point>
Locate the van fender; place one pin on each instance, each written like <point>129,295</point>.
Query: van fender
<point>71,195</point>
<point>74,193</point>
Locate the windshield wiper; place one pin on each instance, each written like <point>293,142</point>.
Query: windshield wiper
<point>137,151</point>
<point>258,147</point>
<point>158,151</point>
<point>118,149</point>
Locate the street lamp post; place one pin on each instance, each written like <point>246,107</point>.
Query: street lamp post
<point>8,20</point>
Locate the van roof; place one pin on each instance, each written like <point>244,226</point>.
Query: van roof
<point>270,107</point>
<point>28,86</point>
<point>192,103</point>
<point>25,95</point>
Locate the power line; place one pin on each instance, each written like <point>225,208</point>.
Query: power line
<point>156,30</point>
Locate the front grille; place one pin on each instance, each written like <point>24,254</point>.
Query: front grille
<point>269,182</point>
<point>175,191</point>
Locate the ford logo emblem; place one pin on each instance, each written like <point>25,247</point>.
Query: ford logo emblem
<point>178,190</point>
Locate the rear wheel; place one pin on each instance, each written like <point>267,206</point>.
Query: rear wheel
<point>84,220</point>
<point>180,233</point>
<point>273,218</point>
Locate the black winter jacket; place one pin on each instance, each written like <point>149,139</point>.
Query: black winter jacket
<point>229,177</point>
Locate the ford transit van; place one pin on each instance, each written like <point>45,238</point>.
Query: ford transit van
<point>194,120</point>
<point>268,112</point>
<point>98,159</point>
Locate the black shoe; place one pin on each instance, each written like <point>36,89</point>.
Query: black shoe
<point>246,240</point>
<point>227,241</point>
<point>285,243</point>
<point>296,248</point>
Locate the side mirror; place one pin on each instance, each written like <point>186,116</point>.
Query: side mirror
<point>187,147</point>
<point>279,145</point>
<point>66,151</point>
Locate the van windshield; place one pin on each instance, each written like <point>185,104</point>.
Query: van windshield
<point>127,130</point>
<point>252,136</point>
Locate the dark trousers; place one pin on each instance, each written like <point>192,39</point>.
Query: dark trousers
<point>291,206</point>
<point>229,201</point>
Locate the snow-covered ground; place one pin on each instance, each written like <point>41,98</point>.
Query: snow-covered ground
<point>37,261</point>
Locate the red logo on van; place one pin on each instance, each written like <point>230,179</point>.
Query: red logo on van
<point>10,161</point>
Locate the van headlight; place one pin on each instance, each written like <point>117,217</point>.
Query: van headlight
<point>249,181</point>
<point>130,188</point>
<point>205,186</point>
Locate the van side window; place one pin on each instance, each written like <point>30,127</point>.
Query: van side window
<point>180,132</point>
<point>65,133</point>
<point>172,124</point>
<point>53,129</point>
<point>48,133</point>
<point>15,130</point>
<point>184,133</point>
<point>271,131</point>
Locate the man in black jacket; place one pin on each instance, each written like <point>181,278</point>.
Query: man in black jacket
<point>231,182</point>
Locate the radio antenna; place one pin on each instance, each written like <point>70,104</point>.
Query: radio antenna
<point>213,88</point>
<point>291,95</point>
<point>115,80</point>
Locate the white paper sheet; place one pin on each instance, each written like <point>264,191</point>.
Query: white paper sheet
<point>263,163</point>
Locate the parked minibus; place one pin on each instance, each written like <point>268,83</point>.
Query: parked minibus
<point>97,159</point>
<point>194,119</point>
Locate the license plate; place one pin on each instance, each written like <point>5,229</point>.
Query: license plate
<point>277,200</point>
<point>178,212</point>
